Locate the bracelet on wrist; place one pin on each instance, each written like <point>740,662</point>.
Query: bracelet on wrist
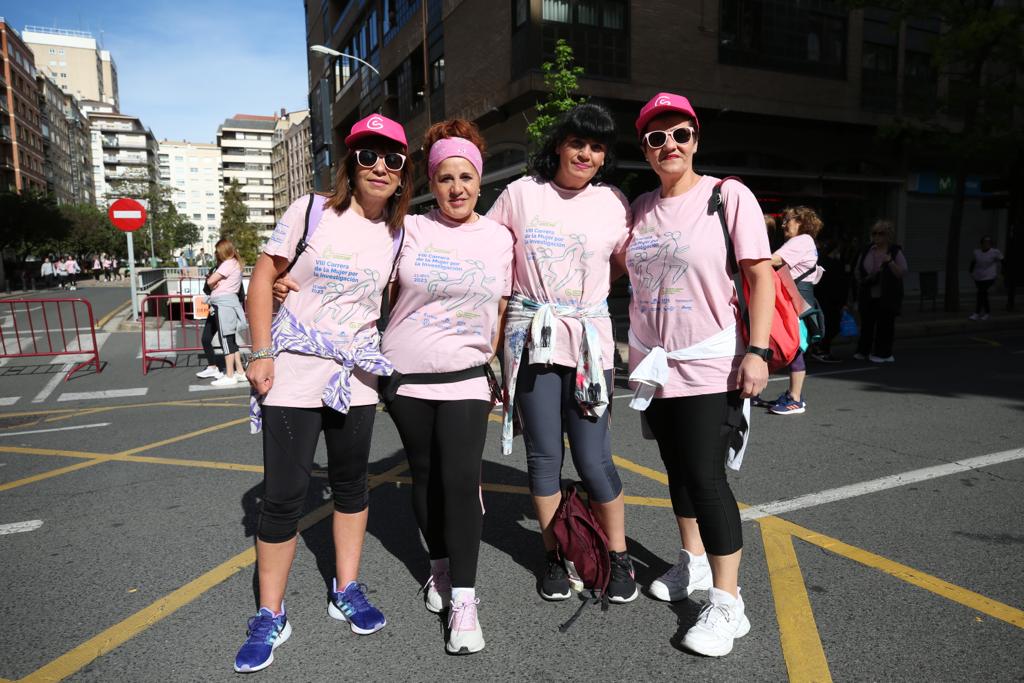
<point>259,354</point>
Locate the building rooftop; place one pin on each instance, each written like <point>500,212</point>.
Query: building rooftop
<point>45,35</point>
<point>267,123</point>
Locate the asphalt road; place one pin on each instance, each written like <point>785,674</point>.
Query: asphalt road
<point>133,561</point>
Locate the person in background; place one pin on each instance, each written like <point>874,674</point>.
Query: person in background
<point>46,273</point>
<point>60,269</point>
<point>880,270</point>
<point>97,267</point>
<point>984,270</point>
<point>225,283</point>
<point>72,269</point>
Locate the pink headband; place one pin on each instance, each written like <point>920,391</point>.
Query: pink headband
<point>454,147</point>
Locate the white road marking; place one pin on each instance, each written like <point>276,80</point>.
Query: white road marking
<point>785,378</point>
<point>9,400</point>
<point>56,429</point>
<point>75,344</point>
<point>210,387</point>
<point>108,393</point>
<point>875,485</point>
<point>20,527</point>
<point>52,384</point>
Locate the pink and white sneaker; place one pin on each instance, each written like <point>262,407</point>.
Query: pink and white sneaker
<point>464,633</point>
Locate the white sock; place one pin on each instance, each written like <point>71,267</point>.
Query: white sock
<point>463,595</point>
<point>439,566</point>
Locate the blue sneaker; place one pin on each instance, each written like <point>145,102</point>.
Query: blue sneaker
<point>787,406</point>
<point>265,633</point>
<point>352,606</point>
<point>759,402</point>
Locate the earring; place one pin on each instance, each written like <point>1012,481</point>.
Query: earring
<point>399,190</point>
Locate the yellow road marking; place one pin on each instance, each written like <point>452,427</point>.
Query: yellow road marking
<point>657,476</point>
<point>987,342</point>
<point>801,644</point>
<point>52,473</point>
<point>99,645</point>
<point>191,402</point>
<point>183,437</point>
<point>933,584</point>
<point>28,450</point>
<point>117,309</point>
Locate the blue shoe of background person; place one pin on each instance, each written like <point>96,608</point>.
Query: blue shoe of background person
<point>352,606</point>
<point>266,632</point>
<point>787,405</point>
<point>759,402</point>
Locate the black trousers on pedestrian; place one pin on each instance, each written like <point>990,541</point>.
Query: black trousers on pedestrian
<point>209,330</point>
<point>981,301</point>
<point>444,442</point>
<point>877,328</point>
<point>290,437</point>
<point>693,434</point>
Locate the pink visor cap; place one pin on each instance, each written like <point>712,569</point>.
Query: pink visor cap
<point>661,103</point>
<point>445,148</point>
<point>376,124</point>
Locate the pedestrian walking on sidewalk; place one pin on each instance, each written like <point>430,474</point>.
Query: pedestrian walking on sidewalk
<point>559,354</point>
<point>225,284</point>
<point>442,334</point>
<point>60,268</point>
<point>984,270</point>
<point>315,370</point>
<point>688,365</point>
<point>880,270</point>
<point>800,225</point>
<point>46,273</point>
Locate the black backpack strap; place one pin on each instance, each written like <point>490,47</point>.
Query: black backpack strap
<point>806,274</point>
<point>301,245</point>
<point>718,206</point>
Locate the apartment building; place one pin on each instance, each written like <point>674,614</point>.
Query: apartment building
<point>124,153</point>
<point>75,62</point>
<point>291,163</point>
<point>83,187</point>
<point>22,156</point>
<point>193,173</point>
<point>57,142</point>
<point>245,142</point>
<point>792,97</point>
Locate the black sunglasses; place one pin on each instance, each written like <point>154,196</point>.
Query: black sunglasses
<point>657,138</point>
<point>367,158</point>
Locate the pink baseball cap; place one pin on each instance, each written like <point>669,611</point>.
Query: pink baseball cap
<point>661,103</point>
<point>376,124</point>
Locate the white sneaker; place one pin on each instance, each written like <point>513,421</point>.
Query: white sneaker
<point>438,593</point>
<point>239,377</point>
<point>720,623</point>
<point>882,359</point>
<point>224,382</point>
<point>974,316</point>
<point>984,316</point>
<point>689,574</point>
<point>212,372</point>
<point>464,633</point>
<point>859,356</point>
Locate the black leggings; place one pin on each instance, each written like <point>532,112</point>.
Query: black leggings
<point>444,441</point>
<point>877,328</point>
<point>548,408</point>
<point>981,303</point>
<point>290,436</point>
<point>693,434</point>
<point>210,329</point>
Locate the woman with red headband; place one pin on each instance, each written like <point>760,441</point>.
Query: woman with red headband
<point>316,370</point>
<point>688,364</point>
<point>454,277</point>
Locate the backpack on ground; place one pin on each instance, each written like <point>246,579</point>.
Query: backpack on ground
<point>583,548</point>
<point>784,340</point>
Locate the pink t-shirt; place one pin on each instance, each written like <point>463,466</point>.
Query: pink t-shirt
<point>231,273</point>
<point>564,241</point>
<point>682,291</point>
<point>800,253</point>
<point>451,277</point>
<point>341,277</point>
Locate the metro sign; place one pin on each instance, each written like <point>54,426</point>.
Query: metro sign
<point>127,214</point>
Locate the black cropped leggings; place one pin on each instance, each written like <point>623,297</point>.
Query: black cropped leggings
<point>693,434</point>
<point>290,437</point>
<point>444,441</point>
<point>548,408</point>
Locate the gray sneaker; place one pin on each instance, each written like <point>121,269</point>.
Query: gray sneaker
<point>689,574</point>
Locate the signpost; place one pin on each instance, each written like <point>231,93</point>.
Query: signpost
<point>129,215</point>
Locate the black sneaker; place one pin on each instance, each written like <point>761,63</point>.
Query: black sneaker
<point>825,358</point>
<point>554,581</point>
<point>622,586</point>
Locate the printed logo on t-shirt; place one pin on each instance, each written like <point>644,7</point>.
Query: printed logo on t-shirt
<point>279,235</point>
<point>560,259</point>
<point>656,266</point>
<point>345,290</point>
<point>458,289</point>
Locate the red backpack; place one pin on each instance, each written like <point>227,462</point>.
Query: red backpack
<point>784,340</point>
<point>583,547</point>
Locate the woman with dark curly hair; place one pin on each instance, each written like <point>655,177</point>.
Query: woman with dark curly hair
<point>559,351</point>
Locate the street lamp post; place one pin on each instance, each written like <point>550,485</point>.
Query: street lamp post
<point>334,53</point>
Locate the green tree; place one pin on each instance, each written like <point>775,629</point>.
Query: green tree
<point>91,231</point>
<point>235,225</point>
<point>980,52</point>
<point>171,230</point>
<point>31,223</point>
<point>561,78</point>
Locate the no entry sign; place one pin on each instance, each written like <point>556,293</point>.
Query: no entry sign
<point>127,214</point>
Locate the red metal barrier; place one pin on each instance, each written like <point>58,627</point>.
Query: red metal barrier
<point>41,329</point>
<point>168,328</point>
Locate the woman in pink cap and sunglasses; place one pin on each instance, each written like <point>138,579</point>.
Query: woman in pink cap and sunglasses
<point>316,370</point>
<point>689,366</point>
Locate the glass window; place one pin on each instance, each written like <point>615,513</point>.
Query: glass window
<point>555,10</point>
<point>521,12</point>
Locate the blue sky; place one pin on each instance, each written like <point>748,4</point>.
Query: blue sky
<point>185,66</point>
